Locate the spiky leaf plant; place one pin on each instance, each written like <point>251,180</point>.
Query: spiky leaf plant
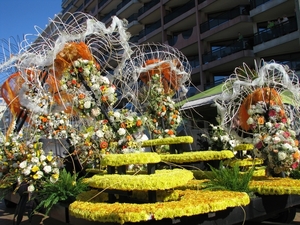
<point>64,190</point>
<point>229,178</point>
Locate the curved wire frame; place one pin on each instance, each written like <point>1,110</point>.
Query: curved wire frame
<point>154,58</point>
<point>245,81</point>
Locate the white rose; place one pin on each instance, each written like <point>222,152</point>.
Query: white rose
<point>269,124</point>
<point>95,112</point>
<point>26,171</point>
<point>121,131</point>
<point>47,169</point>
<point>23,164</point>
<point>250,120</point>
<point>99,133</point>
<point>287,146</point>
<point>35,159</point>
<point>31,188</point>
<point>214,138</point>
<point>39,174</point>
<point>104,80</point>
<point>86,71</point>
<point>87,104</point>
<point>281,156</point>
<point>117,115</point>
<point>76,63</point>
<point>42,158</point>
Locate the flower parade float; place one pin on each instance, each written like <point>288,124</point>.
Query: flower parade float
<point>110,105</point>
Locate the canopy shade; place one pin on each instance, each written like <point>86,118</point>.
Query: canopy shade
<point>207,97</point>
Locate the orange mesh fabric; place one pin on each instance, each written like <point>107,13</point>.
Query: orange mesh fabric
<point>268,95</point>
<point>169,77</point>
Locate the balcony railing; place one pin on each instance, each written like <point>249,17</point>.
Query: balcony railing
<point>133,17</point>
<point>275,32</point>
<point>185,34</point>
<point>179,11</point>
<point>221,52</point>
<point>102,3</point>
<point>86,2</point>
<point>150,27</point>
<point>148,6</point>
<point>224,17</point>
<point>255,3</point>
<point>122,4</point>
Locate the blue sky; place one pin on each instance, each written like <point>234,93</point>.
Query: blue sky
<point>18,17</point>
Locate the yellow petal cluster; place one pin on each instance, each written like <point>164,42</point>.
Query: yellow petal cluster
<point>243,162</point>
<point>275,186</point>
<point>161,180</point>
<point>130,158</point>
<point>243,147</point>
<point>168,141</point>
<point>189,157</point>
<point>191,202</point>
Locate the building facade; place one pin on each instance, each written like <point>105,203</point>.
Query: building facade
<point>215,35</point>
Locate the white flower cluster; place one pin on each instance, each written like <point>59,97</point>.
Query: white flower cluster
<point>38,166</point>
<point>53,125</point>
<point>88,88</point>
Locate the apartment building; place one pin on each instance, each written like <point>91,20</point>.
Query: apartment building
<point>215,35</point>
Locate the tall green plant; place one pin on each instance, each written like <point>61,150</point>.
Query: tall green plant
<point>64,190</point>
<point>229,178</point>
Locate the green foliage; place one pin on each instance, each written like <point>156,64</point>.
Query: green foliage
<point>227,178</point>
<point>64,190</point>
<point>295,174</point>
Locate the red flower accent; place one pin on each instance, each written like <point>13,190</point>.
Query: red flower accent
<point>286,134</point>
<point>103,144</point>
<point>295,165</point>
<point>259,145</point>
<point>272,113</point>
<point>80,70</point>
<point>284,120</point>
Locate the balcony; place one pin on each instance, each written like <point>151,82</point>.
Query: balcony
<point>222,18</point>
<point>255,3</point>
<point>179,11</point>
<point>148,6</point>
<point>221,52</point>
<point>277,31</point>
<point>150,28</point>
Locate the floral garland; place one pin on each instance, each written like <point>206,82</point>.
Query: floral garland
<point>164,116</point>
<point>219,138</point>
<point>275,186</point>
<point>86,101</point>
<point>26,163</point>
<point>189,157</point>
<point>130,158</point>
<point>168,141</point>
<point>53,125</point>
<point>273,138</point>
<point>191,203</point>
<point>161,180</point>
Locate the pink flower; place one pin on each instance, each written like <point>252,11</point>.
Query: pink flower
<point>272,113</point>
<point>295,165</point>
<point>286,134</point>
<point>283,120</point>
<point>259,145</point>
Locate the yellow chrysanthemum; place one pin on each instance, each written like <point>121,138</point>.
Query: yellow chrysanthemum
<point>190,202</point>
<point>168,141</point>
<point>35,168</point>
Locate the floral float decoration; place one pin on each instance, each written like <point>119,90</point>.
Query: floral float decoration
<point>251,106</point>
